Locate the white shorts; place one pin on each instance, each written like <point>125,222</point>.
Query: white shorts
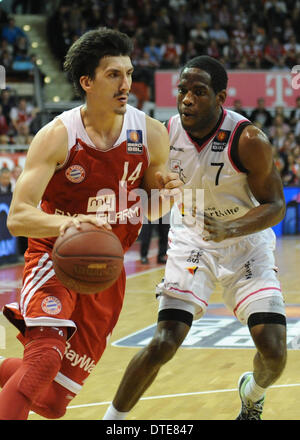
<point>246,270</point>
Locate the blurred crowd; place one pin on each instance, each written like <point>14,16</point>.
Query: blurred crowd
<point>15,53</point>
<point>19,119</point>
<point>283,130</point>
<point>261,34</point>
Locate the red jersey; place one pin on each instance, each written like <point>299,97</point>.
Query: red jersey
<point>89,182</point>
<point>93,181</point>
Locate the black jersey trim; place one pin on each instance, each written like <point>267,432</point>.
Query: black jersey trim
<point>234,147</point>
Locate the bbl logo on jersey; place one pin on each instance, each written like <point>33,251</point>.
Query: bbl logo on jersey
<point>220,140</point>
<point>75,173</point>
<point>134,141</point>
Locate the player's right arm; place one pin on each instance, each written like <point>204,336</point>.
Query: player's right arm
<point>48,149</point>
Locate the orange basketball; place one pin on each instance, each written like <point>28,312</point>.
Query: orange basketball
<point>88,260</point>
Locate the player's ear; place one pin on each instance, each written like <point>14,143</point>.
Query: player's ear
<point>221,97</point>
<point>85,82</point>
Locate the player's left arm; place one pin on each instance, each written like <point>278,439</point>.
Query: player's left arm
<point>158,177</point>
<point>255,154</point>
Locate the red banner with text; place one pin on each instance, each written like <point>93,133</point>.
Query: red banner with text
<point>277,88</point>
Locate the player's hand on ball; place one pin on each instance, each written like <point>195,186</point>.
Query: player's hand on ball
<point>76,221</point>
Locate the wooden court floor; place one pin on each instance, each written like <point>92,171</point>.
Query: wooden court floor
<point>200,383</point>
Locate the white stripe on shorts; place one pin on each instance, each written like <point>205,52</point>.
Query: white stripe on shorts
<point>26,285</point>
<point>67,383</point>
<point>42,275</point>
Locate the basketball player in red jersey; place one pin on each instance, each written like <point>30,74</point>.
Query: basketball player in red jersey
<point>221,152</point>
<point>79,168</point>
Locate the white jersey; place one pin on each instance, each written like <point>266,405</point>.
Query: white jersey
<point>216,183</point>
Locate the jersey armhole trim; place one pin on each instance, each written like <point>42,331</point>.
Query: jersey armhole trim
<point>233,144</point>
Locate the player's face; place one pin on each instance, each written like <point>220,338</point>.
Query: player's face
<point>112,83</point>
<point>197,103</point>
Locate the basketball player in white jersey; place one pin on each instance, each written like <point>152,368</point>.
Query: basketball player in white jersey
<point>223,153</point>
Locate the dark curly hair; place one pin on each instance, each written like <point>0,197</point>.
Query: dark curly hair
<point>84,55</point>
<point>214,68</point>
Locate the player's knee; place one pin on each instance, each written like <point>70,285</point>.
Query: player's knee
<point>52,411</point>
<point>274,353</point>
<point>41,362</point>
<point>161,349</point>
<point>39,371</point>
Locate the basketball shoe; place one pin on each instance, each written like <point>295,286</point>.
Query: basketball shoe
<point>249,410</point>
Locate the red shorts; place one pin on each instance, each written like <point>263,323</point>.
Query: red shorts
<point>90,319</point>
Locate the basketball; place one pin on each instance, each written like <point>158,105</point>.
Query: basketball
<point>88,260</point>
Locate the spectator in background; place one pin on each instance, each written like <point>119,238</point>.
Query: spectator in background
<point>253,52</point>
<point>278,123</point>
<point>6,60</point>
<point>292,51</point>
<point>202,15</point>
<point>261,115</point>
<point>154,52</point>
<point>8,101</point>
<point>163,20</point>
<point>11,32</point>
<point>237,107</point>
<point>129,22</point>
<point>170,53</point>
<point>288,30</point>
<point>6,47</point>
<point>297,129</point>
<point>15,173</point>
<point>5,181</point>
<point>213,50</point>
<point>199,36</point>
<point>232,54</point>
<point>239,34</point>
<point>21,46</point>
<point>295,113</point>
<point>4,128</point>
<point>273,52</point>
<point>21,117</point>
<point>190,51</point>
<point>279,111</point>
<point>23,136</point>
<point>225,17</point>
<point>279,137</point>
<point>218,34</point>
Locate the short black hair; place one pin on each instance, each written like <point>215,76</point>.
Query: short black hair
<point>213,67</point>
<point>84,55</point>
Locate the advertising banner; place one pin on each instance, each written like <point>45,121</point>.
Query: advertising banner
<point>277,88</point>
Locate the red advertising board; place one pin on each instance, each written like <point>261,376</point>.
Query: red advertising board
<point>277,88</point>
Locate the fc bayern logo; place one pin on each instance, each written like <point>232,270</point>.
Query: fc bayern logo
<point>75,173</point>
<point>51,305</point>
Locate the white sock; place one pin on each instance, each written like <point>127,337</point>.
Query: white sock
<point>113,414</point>
<point>252,391</point>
